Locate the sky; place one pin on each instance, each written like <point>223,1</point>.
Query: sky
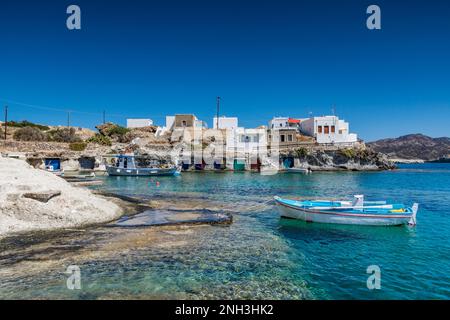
<point>264,58</point>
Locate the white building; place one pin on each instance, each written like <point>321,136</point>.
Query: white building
<point>328,129</point>
<point>200,124</point>
<point>241,140</point>
<point>245,146</point>
<point>139,123</point>
<point>278,123</point>
<point>183,121</point>
<point>226,123</point>
<point>170,120</point>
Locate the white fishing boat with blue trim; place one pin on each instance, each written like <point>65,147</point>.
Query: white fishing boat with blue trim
<point>126,165</point>
<point>356,212</point>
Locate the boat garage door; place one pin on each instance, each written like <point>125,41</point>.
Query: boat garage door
<point>87,163</point>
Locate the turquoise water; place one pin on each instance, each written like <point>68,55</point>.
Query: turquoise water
<point>262,256</point>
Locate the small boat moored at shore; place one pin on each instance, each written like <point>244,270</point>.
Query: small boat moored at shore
<point>53,165</point>
<point>78,177</point>
<point>125,165</point>
<point>297,170</point>
<point>357,212</point>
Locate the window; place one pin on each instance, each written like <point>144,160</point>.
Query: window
<point>326,129</point>
<point>333,129</point>
<point>244,138</point>
<point>255,138</point>
<point>290,138</point>
<point>282,138</point>
<point>184,123</point>
<point>281,125</point>
<point>319,129</point>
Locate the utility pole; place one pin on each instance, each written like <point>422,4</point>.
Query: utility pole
<point>68,119</point>
<point>218,108</point>
<point>104,116</point>
<point>6,120</point>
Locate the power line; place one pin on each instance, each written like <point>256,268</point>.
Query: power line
<point>65,110</point>
<point>102,113</point>
<point>34,106</point>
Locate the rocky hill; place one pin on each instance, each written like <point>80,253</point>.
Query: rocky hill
<point>413,146</point>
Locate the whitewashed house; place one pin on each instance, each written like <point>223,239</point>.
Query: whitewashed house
<point>278,123</point>
<point>328,130</point>
<point>245,144</point>
<point>181,122</point>
<point>139,123</point>
<point>225,123</point>
<point>246,140</point>
<point>170,120</point>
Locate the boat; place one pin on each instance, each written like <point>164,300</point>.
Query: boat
<point>78,177</point>
<point>53,165</point>
<point>298,170</point>
<point>356,212</point>
<point>126,165</point>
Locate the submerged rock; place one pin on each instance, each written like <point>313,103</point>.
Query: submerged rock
<point>174,217</point>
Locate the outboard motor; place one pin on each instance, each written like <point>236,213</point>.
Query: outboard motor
<point>358,201</point>
<point>413,220</point>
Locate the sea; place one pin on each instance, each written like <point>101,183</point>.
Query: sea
<point>258,256</point>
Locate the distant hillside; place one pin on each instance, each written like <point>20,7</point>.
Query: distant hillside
<point>413,146</point>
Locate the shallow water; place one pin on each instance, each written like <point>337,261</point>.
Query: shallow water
<point>259,256</point>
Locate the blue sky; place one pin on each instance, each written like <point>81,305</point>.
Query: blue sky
<point>264,58</point>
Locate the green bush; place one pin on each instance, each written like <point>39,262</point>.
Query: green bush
<point>26,123</point>
<point>99,139</point>
<point>77,146</point>
<point>348,153</point>
<point>30,134</point>
<point>301,152</point>
<point>118,131</point>
<point>64,135</point>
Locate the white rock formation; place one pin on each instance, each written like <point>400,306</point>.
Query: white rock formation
<point>74,207</point>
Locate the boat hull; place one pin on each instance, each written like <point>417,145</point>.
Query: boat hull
<point>297,170</point>
<point>317,216</point>
<point>141,172</point>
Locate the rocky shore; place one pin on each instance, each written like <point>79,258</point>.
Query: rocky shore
<point>173,146</point>
<point>346,159</point>
<point>32,199</point>
<point>313,158</point>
